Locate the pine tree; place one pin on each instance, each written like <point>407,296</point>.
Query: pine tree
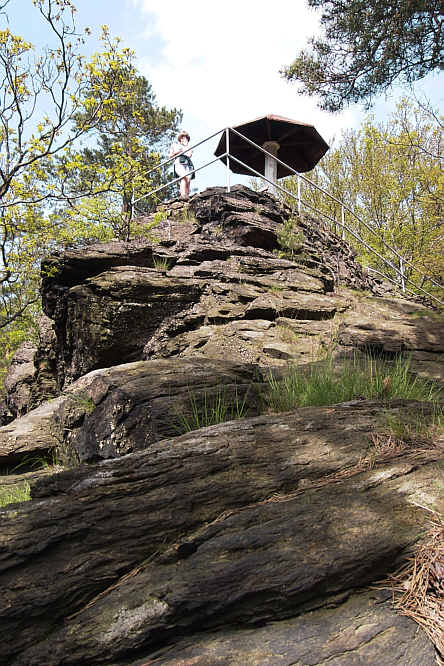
<point>368,45</point>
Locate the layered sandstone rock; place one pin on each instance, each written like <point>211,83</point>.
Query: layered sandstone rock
<point>241,523</point>
<point>212,282</point>
<point>255,541</point>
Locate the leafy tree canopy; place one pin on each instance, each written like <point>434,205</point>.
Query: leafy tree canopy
<point>367,45</point>
<point>389,174</point>
<point>54,192</point>
<point>129,141</point>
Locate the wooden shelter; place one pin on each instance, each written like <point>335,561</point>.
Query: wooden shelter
<point>298,145</point>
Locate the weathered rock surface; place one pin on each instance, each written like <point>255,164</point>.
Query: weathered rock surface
<point>44,384</point>
<point>31,375</point>
<point>360,630</point>
<point>115,303</point>
<point>248,542</point>
<point>34,433</point>
<point>115,411</point>
<point>19,379</point>
<point>171,551</point>
<point>393,335</point>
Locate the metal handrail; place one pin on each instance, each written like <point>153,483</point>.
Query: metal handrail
<point>331,196</point>
<point>176,180</point>
<point>386,277</point>
<point>229,156</point>
<point>353,233</point>
<point>171,159</point>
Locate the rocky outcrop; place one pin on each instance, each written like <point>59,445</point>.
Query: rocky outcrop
<point>111,412</point>
<point>19,379</point>
<point>212,282</point>
<point>44,385</point>
<point>31,375</point>
<point>242,523</point>
<point>260,540</point>
<point>361,629</point>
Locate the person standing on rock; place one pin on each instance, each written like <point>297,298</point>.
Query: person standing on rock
<point>183,164</point>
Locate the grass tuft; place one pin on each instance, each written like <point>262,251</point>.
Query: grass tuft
<point>419,426</point>
<point>210,409</point>
<point>161,263</point>
<point>324,384</point>
<point>187,215</point>
<point>15,493</point>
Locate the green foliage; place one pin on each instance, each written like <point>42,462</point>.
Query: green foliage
<point>55,194</point>
<point>367,46</point>
<point>210,409</point>
<point>418,426</point>
<point>29,233</point>
<point>130,139</point>
<point>390,175</point>
<point>161,263</point>
<point>290,238</point>
<point>42,92</point>
<point>324,384</point>
<point>31,462</point>
<point>10,493</point>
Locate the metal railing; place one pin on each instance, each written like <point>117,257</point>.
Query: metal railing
<point>402,261</point>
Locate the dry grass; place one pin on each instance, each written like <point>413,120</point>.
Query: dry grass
<point>418,587</point>
<point>386,446</point>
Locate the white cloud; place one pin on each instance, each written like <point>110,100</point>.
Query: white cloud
<point>220,62</point>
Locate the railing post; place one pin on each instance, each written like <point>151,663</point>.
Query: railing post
<point>403,274</point>
<point>227,142</point>
<point>299,194</point>
<point>401,270</point>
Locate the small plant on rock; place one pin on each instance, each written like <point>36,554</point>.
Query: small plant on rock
<point>10,494</point>
<point>187,215</point>
<point>161,263</point>
<point>209,409</point>
<point>290,238</point>
<point>420,426</point>
<point>144,227</point>
<point>275,289</point>
<point>323,384</point>
<point>287,335</point>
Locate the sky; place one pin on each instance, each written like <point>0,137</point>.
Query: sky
<point>218,62</point>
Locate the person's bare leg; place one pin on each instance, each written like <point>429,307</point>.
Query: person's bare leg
<point>183,188</point>
<point>188,183</point>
